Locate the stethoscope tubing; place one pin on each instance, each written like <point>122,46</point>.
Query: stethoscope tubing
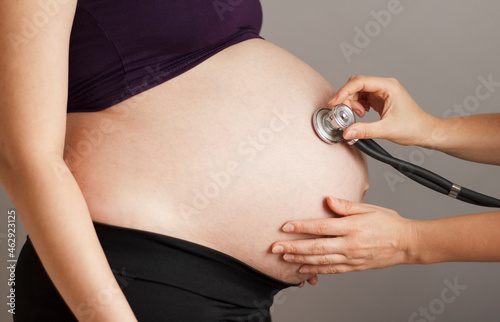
<point>423,176</point>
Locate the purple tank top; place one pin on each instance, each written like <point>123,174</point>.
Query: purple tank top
<point>120,48</point>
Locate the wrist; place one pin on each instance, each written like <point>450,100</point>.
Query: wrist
<point>413,254</point>
<point>432,133</point>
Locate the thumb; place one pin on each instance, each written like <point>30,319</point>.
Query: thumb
<point>375,130</point>
<point>345,207</point>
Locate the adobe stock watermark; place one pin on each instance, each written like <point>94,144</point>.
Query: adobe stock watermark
<point>483,91</point>
<point>31,26</point>
<point>437,306</point>
<point>372,29</point>
<point>88,309</point>
<point>11,260</point>
<point>224,6</point>
<point>248,149</point>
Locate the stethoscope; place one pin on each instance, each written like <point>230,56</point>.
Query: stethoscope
<point>330,124</point>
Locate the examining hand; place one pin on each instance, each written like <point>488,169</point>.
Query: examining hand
<point>366,237</point>
<point>402,120</point>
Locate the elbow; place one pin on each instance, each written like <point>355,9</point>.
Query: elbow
<point>21,163</point>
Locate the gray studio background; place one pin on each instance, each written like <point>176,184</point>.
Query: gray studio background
<point>438,50</point>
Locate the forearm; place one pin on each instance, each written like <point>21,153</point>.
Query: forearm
<point>57,220</point>
<point>474,138</point>
<point>468,238</point>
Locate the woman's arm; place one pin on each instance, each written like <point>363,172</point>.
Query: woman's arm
<point>33,98</point>
<point>369,237</point>
<point>474,138</point>
<point>467,238</point>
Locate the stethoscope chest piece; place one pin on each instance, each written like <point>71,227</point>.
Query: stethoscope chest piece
<point>330,124</point>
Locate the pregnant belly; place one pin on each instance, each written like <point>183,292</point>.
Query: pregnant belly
<point>222,156</point>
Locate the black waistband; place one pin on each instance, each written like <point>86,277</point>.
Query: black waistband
<point>193,267</point>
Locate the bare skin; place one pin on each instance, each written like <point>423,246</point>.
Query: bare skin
<point>369,237</point>
<point>237,129</point>
<point>236,160</point>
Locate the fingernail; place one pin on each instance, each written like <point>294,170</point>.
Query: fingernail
<point>333,99</point>
<point>304,270</point>
<point>288,257</point>
<point>352,134</point>
<point>278,249</point>
<point>288,228</point>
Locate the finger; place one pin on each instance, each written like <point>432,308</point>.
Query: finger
<point>302,285</point>
<point>313,280</point>
<point>360,107</point>
<point>322,227</point>
<point>374,130</point>
<point>318,246</point>
<point>355,104</point>
<point>328,269</point>
<point>358,84</point>
<point>328,259</point>
<point>346,207</point>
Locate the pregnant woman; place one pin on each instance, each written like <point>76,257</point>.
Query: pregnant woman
<point>154,150</point>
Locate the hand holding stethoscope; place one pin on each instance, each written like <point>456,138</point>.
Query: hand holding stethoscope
<point>402,121</point>
<point>368,236</point>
